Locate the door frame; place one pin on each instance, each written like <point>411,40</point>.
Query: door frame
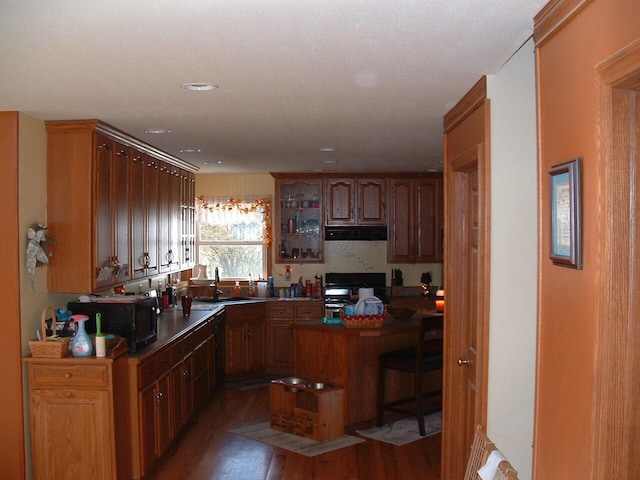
<point>454,451</point>
<point>616,398</point>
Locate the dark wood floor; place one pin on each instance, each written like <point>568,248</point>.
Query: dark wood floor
<point>208,451</point>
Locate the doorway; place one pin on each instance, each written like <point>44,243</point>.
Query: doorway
<point>467,233</point>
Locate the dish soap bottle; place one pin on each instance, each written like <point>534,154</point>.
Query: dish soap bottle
<point>236,289</point>
<point>81,345</point>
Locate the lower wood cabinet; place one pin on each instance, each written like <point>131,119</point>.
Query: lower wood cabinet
<point>78,419</point>
<point>167,388</point>
<point>245,339</point>
<point>282,315</point>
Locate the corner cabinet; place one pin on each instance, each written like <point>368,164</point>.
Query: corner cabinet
<point>115,208</point>
<point>298,221</point>
<point>415,220</point>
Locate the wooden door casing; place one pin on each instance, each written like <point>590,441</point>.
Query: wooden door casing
<point>467,235</point>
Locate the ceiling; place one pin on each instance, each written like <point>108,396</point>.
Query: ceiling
<point>371,79</point>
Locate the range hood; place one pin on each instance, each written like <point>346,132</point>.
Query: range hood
<point>355,233</point>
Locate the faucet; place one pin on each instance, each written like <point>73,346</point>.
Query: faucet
<point>216,281</point>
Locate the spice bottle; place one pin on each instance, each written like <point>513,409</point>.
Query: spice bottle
<point>236,289</point>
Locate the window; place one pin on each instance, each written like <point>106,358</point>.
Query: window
<point>233,235</point>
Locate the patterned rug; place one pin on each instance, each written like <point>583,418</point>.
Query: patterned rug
<point>404,431</point>
<point>263,432</point>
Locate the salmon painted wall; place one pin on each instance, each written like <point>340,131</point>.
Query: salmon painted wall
<point>567,301</point>
<point>11,431</point>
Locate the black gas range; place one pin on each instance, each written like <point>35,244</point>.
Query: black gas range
<point>341,289</point>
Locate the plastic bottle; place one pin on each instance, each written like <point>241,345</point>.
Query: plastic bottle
<point>236,289</point>
<point>252,286</point>
<point>81,345</point>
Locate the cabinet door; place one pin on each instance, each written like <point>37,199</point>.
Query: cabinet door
<point>120,212</point>
<point>298,221</point>
<point>164,431</point>
<point>371,201</point>
<point>340,201</point>
<point>66,423</point>
<point>151,178</point>
<point>235,349</point>
<point>175,225</point>
<point>200,376</point>
<point>428,215</point>
<point>280,349</point>
<point>139,253</point>
<point>187,388</point>
<point>256,348</point>
<point>147,425</point>
<point>177,402</point>
<point>401,234</point>
<point>164,217</point>
<point>104,261</point>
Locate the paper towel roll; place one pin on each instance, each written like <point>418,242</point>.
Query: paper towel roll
<point>365,293</point>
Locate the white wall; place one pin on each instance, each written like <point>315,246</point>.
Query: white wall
<point>514,247</point>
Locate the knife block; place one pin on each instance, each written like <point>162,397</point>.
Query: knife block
<point>308,412</point>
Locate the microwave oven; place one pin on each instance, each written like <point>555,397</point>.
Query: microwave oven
<point>134,318</point>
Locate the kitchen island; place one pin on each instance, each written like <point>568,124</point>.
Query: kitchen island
<point>349,358</point>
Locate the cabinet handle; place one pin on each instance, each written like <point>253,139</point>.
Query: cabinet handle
<point>145,260</point>
<point>185,374</point>
<point>159,398</point>
<point>68,393</point>
<point>67,375</point>
<point>170,257</point>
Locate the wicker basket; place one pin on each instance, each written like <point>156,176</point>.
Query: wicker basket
<point>49,347</point>
<point>363,321</point>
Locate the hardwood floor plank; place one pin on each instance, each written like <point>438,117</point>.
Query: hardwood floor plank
<point>207,451</point>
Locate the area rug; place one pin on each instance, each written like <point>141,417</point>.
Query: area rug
<point>263,432</point>
<point>404,431</point>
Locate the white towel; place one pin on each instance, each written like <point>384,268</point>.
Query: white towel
<point>489,469</point>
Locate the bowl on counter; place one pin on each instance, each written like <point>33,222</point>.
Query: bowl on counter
<point>201,282</point>
<point>400,313</point>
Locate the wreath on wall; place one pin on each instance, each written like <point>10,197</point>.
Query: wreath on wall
<point>38,249</point>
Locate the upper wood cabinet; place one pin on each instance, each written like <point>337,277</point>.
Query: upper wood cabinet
<point>113,208</point>
<point>355,201</point>
<point>298,220</point>
<point>415,220</point>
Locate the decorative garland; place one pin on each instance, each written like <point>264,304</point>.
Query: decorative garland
<point>37,249</point>
<point>260,205</point>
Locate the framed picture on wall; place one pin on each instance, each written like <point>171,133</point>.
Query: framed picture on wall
<point>566,214</point>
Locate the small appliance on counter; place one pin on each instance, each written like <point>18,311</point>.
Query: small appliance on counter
<point>134,317</point>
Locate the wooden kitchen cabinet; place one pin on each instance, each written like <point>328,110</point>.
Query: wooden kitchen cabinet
<point>415,220</point>
<point>167,388</point>
<point>78,418</point>
<point>355,201</point>
<point>298,220</point>
<point>94,209</point>
<point>144,216</point>
<point>245,339</point>
<point>282,316</point>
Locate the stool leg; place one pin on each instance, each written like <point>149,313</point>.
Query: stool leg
<point>381,374</point>
<point>420,402</point>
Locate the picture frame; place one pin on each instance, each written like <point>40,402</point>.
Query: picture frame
<point>566,214</point>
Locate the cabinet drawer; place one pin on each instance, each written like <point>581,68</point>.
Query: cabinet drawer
<point>246,312</point>
<point>282,310</point>
<point>94,376</point>
<point>147,373</point>
<point>313,310</point>
<point>164,360</point>
<point>199,360</point>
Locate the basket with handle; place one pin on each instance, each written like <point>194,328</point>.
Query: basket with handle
<point>53,346</point>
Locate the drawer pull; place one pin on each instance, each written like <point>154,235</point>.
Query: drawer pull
<point>67,375</point>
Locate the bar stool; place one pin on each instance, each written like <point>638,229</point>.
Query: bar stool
<point>425,357</point>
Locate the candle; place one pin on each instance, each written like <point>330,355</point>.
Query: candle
<point>98,323</point>
<point>439,305</point>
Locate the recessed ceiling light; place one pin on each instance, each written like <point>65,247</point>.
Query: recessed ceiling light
<point>199,87</point>
<point>158,131</point>
<point>327,149</point>
<point>190,150</point>
<point>329,161</point>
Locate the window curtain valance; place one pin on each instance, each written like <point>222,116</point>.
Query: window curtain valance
<point>219,210</point>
